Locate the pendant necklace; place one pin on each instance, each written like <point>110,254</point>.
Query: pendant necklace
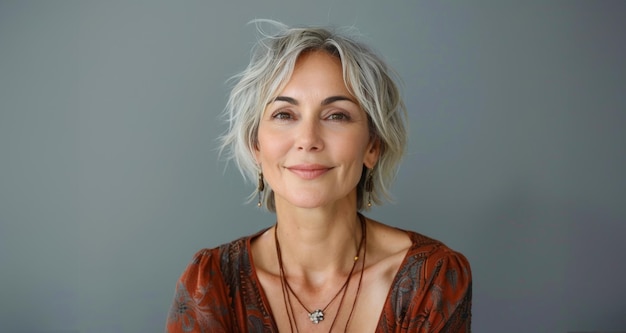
<point>317,315</point>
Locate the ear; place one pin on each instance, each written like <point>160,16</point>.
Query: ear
<point>372,153</point>
<point>256,152</point>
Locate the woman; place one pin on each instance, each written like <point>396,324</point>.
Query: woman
<point>318,119</point>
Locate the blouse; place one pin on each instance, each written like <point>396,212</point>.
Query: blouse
<point>219,291</point>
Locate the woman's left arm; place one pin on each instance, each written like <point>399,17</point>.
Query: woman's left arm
<point>449,294</point>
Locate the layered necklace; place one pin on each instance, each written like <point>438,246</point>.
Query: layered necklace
<point>318,315</point>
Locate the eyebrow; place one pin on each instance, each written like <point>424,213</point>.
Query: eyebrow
<point>284,99</point>
<point>333,99</point>
<point>326,101</point>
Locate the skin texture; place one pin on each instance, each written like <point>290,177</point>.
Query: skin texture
<point>313,141</point>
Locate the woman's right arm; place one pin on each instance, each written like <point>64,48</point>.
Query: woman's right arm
<point>200,302</point>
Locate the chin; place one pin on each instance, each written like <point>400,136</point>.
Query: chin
<point>306,201</point>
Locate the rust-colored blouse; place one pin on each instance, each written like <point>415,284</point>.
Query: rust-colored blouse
<point>220,292</point>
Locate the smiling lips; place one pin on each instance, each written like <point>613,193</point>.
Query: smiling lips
<point>308,171</point>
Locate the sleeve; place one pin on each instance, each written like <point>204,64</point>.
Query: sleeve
<point>448,298</point>
<point>200,302</point>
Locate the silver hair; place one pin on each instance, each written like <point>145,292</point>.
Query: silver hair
<point>366,76</point>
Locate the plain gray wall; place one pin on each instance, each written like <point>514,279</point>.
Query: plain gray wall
<point>110,181</point>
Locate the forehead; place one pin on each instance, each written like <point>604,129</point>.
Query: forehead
<point>316,70</point>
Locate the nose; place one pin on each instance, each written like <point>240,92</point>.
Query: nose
<point>309,135</point>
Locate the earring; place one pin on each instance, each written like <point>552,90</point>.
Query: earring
<point>260,188</point>
<point>369,187</point>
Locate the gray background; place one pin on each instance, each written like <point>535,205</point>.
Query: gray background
<point>110,181</point>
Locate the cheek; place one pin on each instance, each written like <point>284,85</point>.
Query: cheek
<point>360,147</point>
<point>352,152</point>
<point>269,148</point>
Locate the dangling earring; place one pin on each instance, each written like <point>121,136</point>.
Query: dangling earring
<point>260,188</point>
<point>369,186</point>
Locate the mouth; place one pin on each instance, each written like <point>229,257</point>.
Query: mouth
<point>308,171</point>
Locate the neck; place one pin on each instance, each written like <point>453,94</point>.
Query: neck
<point>318,243</point>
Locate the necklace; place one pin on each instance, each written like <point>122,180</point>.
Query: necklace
<point>358,287</point>
<point>318,315</point>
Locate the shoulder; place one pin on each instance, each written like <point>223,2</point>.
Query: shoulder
<point>430,262</point>
<point>224,260</point>
<point>432,288</point>
<point>207,288</point>
<point>200,299</point>
<point>414,247</point>
<point>436,255</point>
<point>206,267</point>
<point>390,241</point>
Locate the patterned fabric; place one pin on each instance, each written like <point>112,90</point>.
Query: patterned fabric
<point>219,292</point>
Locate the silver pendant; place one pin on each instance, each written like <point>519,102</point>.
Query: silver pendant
<point>316,316</point>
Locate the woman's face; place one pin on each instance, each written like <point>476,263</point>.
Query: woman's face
<point>313,138</point>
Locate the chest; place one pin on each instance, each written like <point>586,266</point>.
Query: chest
<point>358,308</point>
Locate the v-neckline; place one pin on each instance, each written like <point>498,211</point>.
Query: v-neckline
<point>265,302</point>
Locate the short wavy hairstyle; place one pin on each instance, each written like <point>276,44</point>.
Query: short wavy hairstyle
<point>367,77</point>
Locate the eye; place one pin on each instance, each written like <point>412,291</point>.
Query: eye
<point>282,115</point>
<point>338,116</point>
